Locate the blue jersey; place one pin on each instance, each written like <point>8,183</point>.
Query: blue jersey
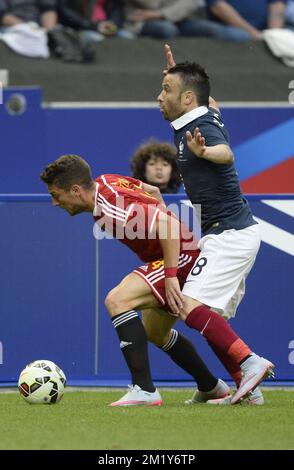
<point>254,11</point>
<point>213,186</point>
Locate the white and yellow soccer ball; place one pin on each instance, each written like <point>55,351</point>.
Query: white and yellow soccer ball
<point>42,382</point>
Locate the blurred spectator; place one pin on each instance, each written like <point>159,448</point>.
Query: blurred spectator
<point>42,12</point>
<point>155,163</point>
<point>290,13</point>
<point>245,20</point>
<point>168,18</point>
<point>96,19</point>
<point>24,25</point>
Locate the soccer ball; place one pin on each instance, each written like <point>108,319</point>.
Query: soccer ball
<point>42,382</point>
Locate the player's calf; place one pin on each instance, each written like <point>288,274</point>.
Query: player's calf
<point>133,344</point>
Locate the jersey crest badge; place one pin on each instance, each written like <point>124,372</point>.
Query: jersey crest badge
<point>181,148</point>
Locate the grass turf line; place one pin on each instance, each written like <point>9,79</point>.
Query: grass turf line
<point>82,420</point>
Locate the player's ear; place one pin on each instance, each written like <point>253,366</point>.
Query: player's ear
<point>188,97</point>
<point>75,190</point>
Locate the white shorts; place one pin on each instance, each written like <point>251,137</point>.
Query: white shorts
<point>217,278</point>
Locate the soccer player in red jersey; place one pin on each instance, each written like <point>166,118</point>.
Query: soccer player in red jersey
<point>134,213</point>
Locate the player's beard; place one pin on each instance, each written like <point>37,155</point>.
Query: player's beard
<point>171,113</point>
<point>75,211</point>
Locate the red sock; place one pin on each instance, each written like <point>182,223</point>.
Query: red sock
<point>218,333</point>
<point>230,364</point>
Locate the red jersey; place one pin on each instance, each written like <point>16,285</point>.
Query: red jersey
<point>125,210</point>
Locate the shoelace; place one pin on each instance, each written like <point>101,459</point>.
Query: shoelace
<point>133,388</point>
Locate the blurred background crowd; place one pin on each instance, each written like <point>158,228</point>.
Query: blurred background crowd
<point>72,26</point>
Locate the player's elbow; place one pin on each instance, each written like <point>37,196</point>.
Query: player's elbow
<point>230,157</point>
<point>155,192</point>
<point>213,104</point>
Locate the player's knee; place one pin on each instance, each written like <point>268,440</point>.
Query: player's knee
<point>116,303</point>
<point>112,303</point>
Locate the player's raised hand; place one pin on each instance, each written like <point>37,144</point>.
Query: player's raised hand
<point>169,59</point>
<point>196,142</point>
<point>174,295</point>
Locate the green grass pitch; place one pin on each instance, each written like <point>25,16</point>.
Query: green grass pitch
<point>82,420</point>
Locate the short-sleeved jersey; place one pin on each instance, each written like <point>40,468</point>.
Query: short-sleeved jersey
<point>215,187</point>
<point>126,211</point>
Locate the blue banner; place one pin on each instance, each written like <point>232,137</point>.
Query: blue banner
<point>107,138</point>
<point>54,277</point>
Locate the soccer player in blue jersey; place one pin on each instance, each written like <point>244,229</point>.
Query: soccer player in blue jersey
<point>230,236</point>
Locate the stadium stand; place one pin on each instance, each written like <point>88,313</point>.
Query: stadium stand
<point>130,71</point>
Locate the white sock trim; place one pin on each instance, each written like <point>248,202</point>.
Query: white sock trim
<point>123,318</point>
<point>171,342</point>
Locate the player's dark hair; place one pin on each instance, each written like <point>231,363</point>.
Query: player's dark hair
<point>66,171</point>
<point>155,149</point>
<point>194,78</point>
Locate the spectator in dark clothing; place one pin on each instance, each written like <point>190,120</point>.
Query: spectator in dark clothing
<point>244,20</point>
<point>14,12</point>
<point>97,19</point>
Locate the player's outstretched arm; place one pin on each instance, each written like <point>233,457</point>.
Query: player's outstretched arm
<point>169,59</point>
<point>168,230</point>
<point>170,62</point>
<point>221,153</point>
<point>196,143</point>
